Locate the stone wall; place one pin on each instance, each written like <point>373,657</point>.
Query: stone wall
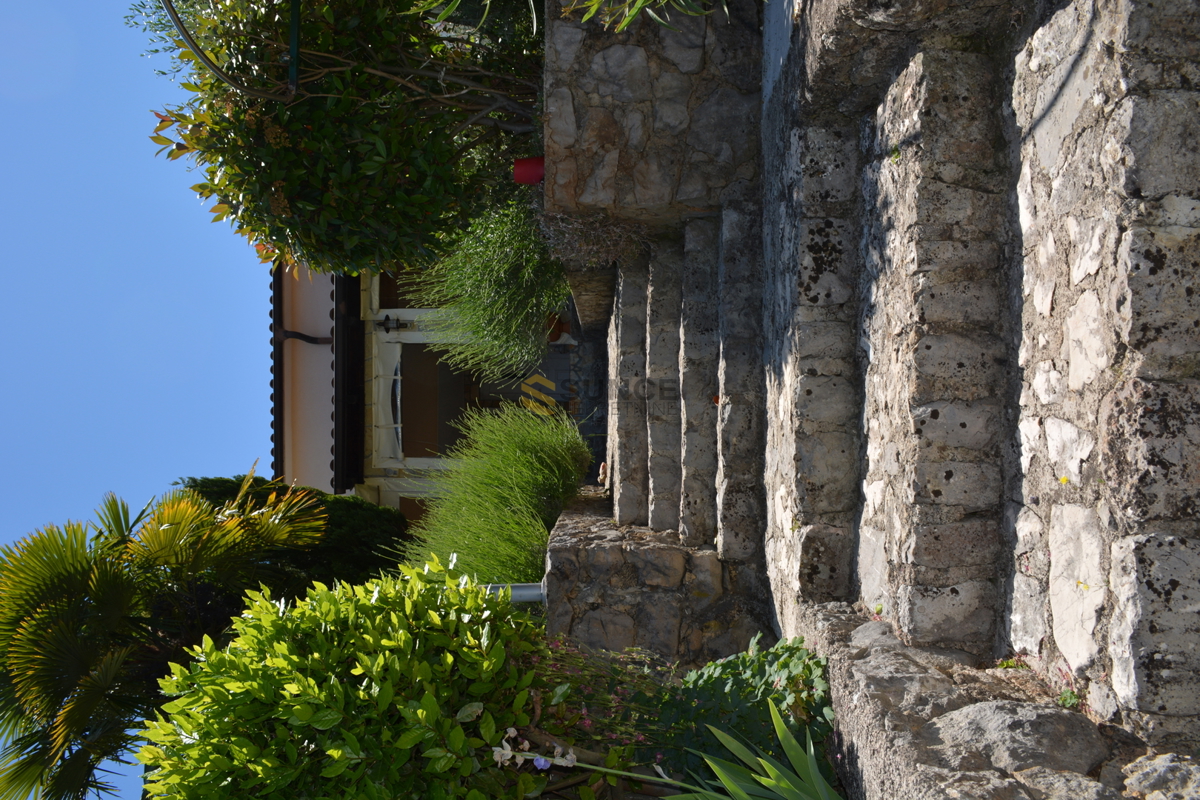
<point>613,587</point>
<point>981,235</point>
<point>654,122</point>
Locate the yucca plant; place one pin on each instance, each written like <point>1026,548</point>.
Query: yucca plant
<point>761,777</point>
<point>91,614</point>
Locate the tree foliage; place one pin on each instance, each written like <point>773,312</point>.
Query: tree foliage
<point>353,548</point>
<point>390,139</point>
<point>92,614</point>
<point>395,689</point>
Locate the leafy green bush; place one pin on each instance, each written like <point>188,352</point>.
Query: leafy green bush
<point>358,542</point>
<point>395,689</point>
<point>508,480</point>
<point>496,290</point>
<point>618,14</point>
<point>400,122</point>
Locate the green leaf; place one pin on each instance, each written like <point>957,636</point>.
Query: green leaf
<point>326,718</point>
<point>469,712</point>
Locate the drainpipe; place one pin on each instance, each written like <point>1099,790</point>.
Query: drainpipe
<point>521,592</point>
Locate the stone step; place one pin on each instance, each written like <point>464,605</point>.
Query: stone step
<point>698,388</point>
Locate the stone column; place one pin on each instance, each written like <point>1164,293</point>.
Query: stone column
<point>627,449</point>
<point>741,516</point>
<point>935,211</point>
<point>663,301</point>
<point>812,399</point>
<point>698,347</point>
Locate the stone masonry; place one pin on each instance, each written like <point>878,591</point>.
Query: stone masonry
<point>936,391</point>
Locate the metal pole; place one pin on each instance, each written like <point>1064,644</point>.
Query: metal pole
<point>521,592</point>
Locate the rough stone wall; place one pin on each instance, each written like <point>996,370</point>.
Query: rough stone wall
<point>613,587</point>
<point>651,123</point>
<point>982,351</point>
<point>1104,97</point>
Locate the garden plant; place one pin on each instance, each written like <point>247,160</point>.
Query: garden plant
<point>506,482</point>
<point>404,115</point>
<point>496,291</point>
<point>418,685</point>
<point>91,614</point>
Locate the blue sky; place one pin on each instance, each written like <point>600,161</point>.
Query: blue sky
<point>135,334</point>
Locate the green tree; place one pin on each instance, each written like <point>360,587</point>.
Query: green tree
<point>92,614</point>
<point>357,543</point>
<point>392,136</point>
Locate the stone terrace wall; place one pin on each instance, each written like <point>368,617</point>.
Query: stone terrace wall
<point>982,343</point>
<point>651,123</point>
<point>614,587</point>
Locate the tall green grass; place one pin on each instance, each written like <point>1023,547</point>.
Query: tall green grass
<point>496,290</point>
<point>509,478</point>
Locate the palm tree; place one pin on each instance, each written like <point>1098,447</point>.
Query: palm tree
<point>91,616</point>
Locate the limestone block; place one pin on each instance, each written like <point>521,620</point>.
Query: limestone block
<point>657,566</point>
<point>1150,444</point>
<point>827,467</point>
<point>956,544</point>
<point>621,72</point>
<point>1089,348</point>
<point>1030,429</point>
<point>956,424</point>
<point>825,340</point>
<point>705,587</point>
<point>725,125</point>
<point>826,162</point>
<point>565,38</point>
<point>962,613</point>
<point>973,360</point>
<point>827,250</point>
<point>1048,383</point>
<point>825,402</point>
<point>1027,615</point>
<point>560,118</point>
<point>1163,304</point>
<point>658,624</point>
<point>958,302</point>
<point>1167,776</point>
<point>1016,736</point>
<point>683,42</point>
<point>628,454</point>
<point>1155,147</point>
<point>957,483</point>
<point>1077,582</point>
<point>824,558</point>
<point>1154,637</point>
<point>1068,446</point>
<point>1052,784</point>
<point>605,629</point>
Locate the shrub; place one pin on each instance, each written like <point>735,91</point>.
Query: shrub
<point>497,290</point>
<point>400,118</point>
<point>359,539</point>
<point>395,689</point>
<point>508,480</point>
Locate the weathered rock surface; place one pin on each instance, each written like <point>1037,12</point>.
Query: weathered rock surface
<point>1165,777</point>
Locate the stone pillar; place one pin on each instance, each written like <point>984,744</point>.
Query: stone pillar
<point>740,512</point>
<point>627,449</point>
<point>698,347</point>
<point>935,372</point>
<point>813,405</point>
<point>663,301</point>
